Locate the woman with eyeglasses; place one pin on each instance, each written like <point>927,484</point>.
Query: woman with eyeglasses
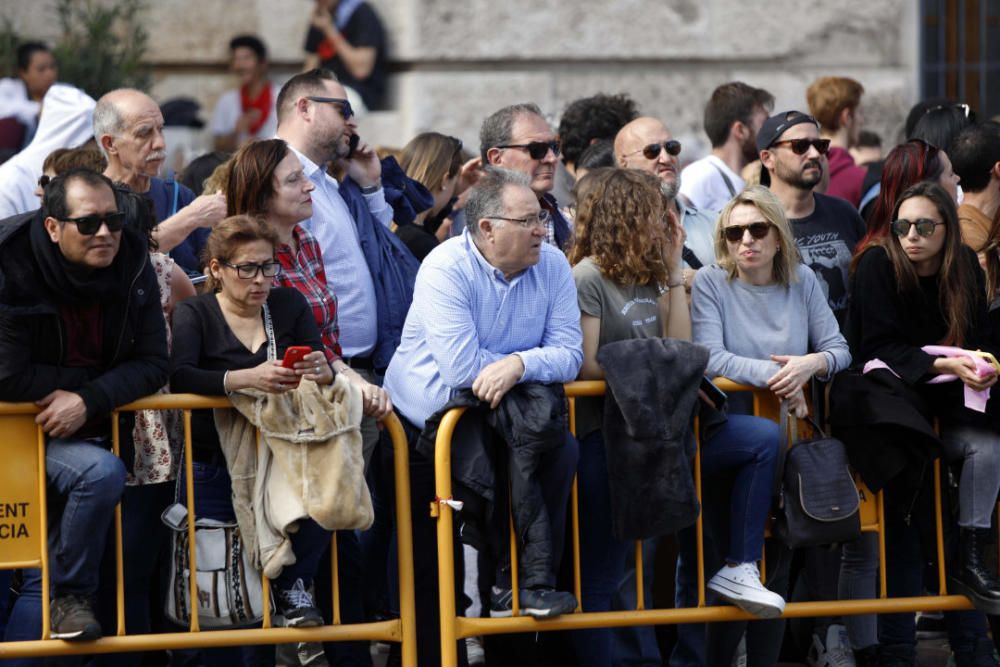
<point>765,320</point>
<point>232,338</point>
<point>435,161</point>
<point>917,287</point>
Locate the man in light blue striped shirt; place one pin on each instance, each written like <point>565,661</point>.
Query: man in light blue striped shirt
<point>491,308</point>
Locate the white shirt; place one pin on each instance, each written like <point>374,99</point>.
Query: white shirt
<point>703,184</point>
<point>347,271</point>
<point>228,111</point>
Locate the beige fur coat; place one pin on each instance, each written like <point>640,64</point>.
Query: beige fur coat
<point>309,465</point>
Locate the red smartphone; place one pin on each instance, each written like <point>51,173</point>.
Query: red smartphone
<point>294,354</point>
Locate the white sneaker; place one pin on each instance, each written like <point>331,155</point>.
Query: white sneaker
<point>474,649</point>
<point>836,653</point>
<point>741,586</point>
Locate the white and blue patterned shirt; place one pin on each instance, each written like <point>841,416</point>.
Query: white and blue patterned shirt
<point>466,315</point>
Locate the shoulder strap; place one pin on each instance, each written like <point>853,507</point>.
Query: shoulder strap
<point>725,177</point>
<point>789,426</point>
<point>177,192</point>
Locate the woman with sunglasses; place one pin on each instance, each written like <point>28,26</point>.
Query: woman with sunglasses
<point>742,311</point>
<point>225,341</point>
<point>435,161</point>
<point>920,286</point>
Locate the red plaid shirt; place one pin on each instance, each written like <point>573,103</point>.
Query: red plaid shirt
<point>304,272</point>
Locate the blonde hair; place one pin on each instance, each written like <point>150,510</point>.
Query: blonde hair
<point>787,259</point>
<point>430,158</point>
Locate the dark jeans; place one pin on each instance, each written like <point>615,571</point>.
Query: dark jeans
<point>602,557</point>
<point>555,473</point>
<point>909,544</point>
<point>85,482</point>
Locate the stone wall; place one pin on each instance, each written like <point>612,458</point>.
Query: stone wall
<point>456,61</point>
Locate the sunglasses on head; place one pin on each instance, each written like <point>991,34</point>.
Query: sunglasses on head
<point>924,226</point>
<point>758,230</point>
<point>537,149</point>
<point>88,225</point>
<point>801,146</point>
<point>345,106</point>
<point>652,151</point>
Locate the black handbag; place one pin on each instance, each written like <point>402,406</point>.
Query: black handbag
<point>818,501</point>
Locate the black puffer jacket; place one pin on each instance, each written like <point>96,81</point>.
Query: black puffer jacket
<point>32,340</point>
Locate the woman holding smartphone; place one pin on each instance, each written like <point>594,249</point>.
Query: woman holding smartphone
<point>233,338</point>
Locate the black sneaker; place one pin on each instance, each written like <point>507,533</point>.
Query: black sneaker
<point>73,619</point>
<point>538,603</point>
<point>296,605</point>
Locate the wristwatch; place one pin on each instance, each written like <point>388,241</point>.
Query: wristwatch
<point>372,189</point>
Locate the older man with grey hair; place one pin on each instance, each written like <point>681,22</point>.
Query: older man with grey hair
<point>518,137</point>
<point>128,128</point>
<point>492,309</point>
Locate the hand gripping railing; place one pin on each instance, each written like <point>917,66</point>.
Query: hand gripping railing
<point>454,627</point>
<point>23,490</point>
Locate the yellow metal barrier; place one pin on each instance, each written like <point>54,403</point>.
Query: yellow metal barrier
<point>454,627</point>
<point>22,506</point>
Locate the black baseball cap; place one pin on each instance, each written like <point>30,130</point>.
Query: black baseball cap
<point>776,125</point>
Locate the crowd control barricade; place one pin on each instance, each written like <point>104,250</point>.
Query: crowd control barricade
<point>455,627</point>
<point>23,538</point>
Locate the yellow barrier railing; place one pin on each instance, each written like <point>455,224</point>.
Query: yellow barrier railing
<point>455,627</point>
<point>22,435</point>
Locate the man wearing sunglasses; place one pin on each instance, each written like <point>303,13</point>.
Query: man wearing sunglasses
<point>826,228</point>
<point>835,101</point>
<point>519,138</point>
<point>81,333</point>
<point>646,144</point>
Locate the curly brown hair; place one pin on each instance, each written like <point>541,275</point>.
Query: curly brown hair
<point>622,223</point>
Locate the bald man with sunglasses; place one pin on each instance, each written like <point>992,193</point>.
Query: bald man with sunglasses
<point>826,229</point>
<point>646,144</point>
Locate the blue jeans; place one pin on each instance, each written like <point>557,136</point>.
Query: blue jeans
<point>85,482</point>
<point>602,557</point>
<point>748,446</point>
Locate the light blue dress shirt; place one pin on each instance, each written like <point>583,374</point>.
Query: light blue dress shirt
<point>466,315</point>
<point>347,271</point>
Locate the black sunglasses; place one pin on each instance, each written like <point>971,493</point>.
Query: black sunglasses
<point>652,151</point>
<point>537,149</point>
<point>758,230</point>
<point>345,106</point>
<point>924,226</point>
<point>801,146</point>
<point>249,271</point>
<point>88,225</point>
<point>43,181</point>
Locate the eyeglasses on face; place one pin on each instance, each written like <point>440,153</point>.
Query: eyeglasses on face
<point>758,230</point>
<point>88,225</point>
<point>652,151</point>
<point>924,226</point>
<point>249,270</point>
<point>801,146</point>
<point>345,106</point>
<point>540,220</point>
<point>537,149</point>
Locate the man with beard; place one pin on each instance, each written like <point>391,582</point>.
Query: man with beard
<point>646,144</point>
<point>733,117</point>
<point>128,128</point>
<point>826,228</point>
<point>519,138</point>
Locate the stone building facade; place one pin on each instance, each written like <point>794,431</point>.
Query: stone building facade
<point>455,61</point>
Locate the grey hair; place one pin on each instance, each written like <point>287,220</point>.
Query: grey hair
<point>498,126</point>
<point>108,119</point>
<point>486,199</point>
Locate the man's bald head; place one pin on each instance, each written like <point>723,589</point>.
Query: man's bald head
<point>645,137</point>
<point>128,128</point>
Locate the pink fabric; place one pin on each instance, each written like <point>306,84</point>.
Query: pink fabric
<point>974,400</point>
